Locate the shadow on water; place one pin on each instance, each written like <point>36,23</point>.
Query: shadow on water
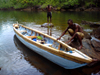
<point>39,62</point>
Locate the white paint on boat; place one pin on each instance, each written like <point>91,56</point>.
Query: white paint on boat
<point>67,64</point>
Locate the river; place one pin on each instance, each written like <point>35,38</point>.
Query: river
<point>17,59</point>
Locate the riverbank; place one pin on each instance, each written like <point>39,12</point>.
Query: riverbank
<point>39,8</point>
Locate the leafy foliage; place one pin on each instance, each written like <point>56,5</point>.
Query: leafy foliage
<point>17,4</point>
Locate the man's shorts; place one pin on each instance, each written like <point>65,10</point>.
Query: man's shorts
<point>79,33</point>
<point>49,14</point>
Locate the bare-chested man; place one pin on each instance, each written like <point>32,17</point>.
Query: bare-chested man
<point>75,31</point>
<point>49,13</point>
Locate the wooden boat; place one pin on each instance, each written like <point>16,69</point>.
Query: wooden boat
<point>54,50</point>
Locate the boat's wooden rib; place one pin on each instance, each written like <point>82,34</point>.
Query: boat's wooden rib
<point>59,47</point>
<point>56,48</point>
<point>31,36</point>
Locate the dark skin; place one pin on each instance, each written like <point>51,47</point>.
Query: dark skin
<point>76,28</point>
<point>49,10</point>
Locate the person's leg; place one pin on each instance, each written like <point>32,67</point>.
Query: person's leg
<point>50,17</point>
<point>78,37</point>
<point>71,32</point>
<point>80,41</point>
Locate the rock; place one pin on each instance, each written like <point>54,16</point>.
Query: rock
<point>96,33</point>
<point>87,36</point>
<point>92,24</point>
<point>27,9</point>
<point>96,45</point>
<point>70,9</point>
<point>47,25</point>
<point>86,44</point>
<point>92,9</point>
<point>63,10</point>
<point>86,49</point>
<point>75,44</point>
<point>80,9</point>
<point>89,9</point>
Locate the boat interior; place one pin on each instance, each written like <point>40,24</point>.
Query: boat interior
<point>42,39</point>
<point>49,42</point>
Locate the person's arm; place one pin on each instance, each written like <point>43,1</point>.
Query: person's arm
<point>63,33</point>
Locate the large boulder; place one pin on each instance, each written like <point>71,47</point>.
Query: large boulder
<point>96,45</point>
<point>86,44</point>
<point>80,9</point>
<point>96,33</point>
<point>91,24</point>
<point>86,35</point>
<point>89,48</point>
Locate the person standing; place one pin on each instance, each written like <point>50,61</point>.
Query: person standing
<point>49,14</point>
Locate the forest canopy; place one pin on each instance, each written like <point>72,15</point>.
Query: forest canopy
<point>18,4</point>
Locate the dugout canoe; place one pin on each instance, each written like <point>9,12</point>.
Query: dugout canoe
<point>52,49</point>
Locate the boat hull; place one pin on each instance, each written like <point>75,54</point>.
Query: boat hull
<point>67,64</point>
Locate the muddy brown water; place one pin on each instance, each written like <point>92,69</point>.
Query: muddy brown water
<point>17,59</point>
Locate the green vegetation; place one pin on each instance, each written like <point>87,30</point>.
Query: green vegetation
<point>18,4</point>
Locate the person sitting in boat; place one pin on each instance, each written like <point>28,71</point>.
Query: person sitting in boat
<point>75,31</point>
<point>49,15</point>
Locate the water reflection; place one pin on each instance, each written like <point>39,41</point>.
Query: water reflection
<point>49,31</point>
<point>41,64</point>
<point>17,59</point>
